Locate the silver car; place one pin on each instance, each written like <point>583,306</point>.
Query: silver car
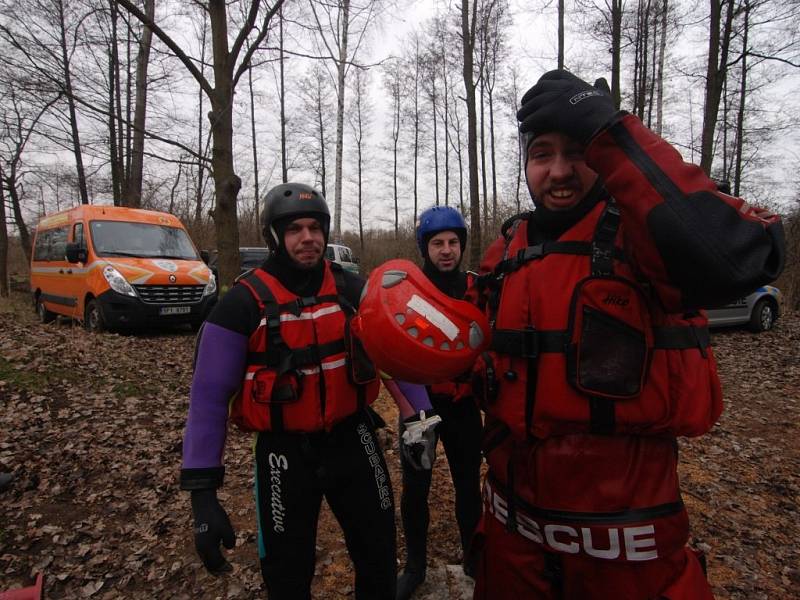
<point>759,310</point>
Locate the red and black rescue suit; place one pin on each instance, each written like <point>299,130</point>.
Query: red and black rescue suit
<point>315,433</point>
<point>460,432</point>
<point>600,359</point>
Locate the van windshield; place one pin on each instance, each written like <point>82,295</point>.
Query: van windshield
<point>145,240</point>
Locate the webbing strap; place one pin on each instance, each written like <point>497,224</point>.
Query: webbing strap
<point>530,343</point>
<point>525,255</point>
<point>627,515</point>
<point>300,357</point>
<point>605,233</point>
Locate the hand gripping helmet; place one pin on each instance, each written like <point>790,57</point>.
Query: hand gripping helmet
<point>296,201</point>
<point>437,219</point>
<point>414,332</point>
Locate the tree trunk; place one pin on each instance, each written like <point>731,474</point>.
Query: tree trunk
<point>616,50</point>
<point>256,193</point>
<point>3,243</point>
<point>468,37</point>
<point>662,51</point>
<point>560,34</point>
<point>282,98</point>
<point>113,78</point>
<point>341,66</point>
<point>134,188</point>
<point>737,173</point>
<point>716,73</point>
<point>435,141</point>
<point>73,113</point>
<point>483,152</point>
<point>16,208</point>
<point>226,183</point>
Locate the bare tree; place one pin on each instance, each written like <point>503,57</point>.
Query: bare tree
<point>343,18</point>
<point>468,25</point>
<point>229,65</point>
<point>393,82</point>
<point>359,119</point>
<point>134,188</point>
<point>720,31</point>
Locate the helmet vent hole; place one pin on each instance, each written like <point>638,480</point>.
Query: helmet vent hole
<point>413,332</point>
<point>444,346</point>
<point>400,318</point>
<point>460,345</point>
<point>287,193</point>
<point>428,341</point>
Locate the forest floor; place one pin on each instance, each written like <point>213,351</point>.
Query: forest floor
<point>91,427</point>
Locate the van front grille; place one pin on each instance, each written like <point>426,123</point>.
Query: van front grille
<point>170,294</point>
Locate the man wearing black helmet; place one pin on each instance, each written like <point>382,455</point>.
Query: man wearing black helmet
<point>441,237</point>
<point>600,354</point>
<point>277,344</point>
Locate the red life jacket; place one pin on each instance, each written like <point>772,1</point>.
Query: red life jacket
<point>580,346</point>
<point>301,370</point>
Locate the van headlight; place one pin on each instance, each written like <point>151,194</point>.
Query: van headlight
<point>211,286</point>
<point>117,282</point>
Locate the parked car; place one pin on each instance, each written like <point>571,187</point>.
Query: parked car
<point>252,257</point>
<point>343,255</point>
<point>114,267</point>
<point>758,311</point>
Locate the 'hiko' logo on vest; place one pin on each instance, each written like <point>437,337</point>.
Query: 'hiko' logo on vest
<point>616,300</point>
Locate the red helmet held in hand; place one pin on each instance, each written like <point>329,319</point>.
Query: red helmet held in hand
<point>414,332</point>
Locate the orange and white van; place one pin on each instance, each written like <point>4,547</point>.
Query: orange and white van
<point>114,267</point>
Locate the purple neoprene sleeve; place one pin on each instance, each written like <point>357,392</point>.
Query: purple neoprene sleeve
<point>218,373</point>
<point>409,397</point>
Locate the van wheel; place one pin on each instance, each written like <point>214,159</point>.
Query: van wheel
<point>762,317</point>
<point>93,318</point>
<point>45,316</point>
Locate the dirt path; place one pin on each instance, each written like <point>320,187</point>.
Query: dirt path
<point>91,425</point>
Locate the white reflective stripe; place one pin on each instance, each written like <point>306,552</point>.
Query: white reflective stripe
<point>327,366</point>
<point>434,316</point>
<point>305,316</point>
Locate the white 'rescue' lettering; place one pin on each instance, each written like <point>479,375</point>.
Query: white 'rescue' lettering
<point>639,542</point>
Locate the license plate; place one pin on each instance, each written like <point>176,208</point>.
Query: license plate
<point>175,310</point>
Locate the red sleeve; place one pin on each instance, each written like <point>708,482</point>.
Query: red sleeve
<point>697,246</point>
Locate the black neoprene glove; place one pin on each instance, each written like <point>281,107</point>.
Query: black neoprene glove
<point>562,102</point>
<point>211,526</point>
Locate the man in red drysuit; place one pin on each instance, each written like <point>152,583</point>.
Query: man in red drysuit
<point>600,355</point>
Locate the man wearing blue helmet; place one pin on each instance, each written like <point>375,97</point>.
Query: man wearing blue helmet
<point>441,237</point>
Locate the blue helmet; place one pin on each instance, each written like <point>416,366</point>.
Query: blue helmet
<point>437,219</point>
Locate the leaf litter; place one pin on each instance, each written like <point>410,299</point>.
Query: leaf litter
<point>91,426</point>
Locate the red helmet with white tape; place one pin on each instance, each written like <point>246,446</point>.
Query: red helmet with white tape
<point>413,331</point>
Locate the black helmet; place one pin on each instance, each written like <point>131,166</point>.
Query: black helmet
<point>292,201</point>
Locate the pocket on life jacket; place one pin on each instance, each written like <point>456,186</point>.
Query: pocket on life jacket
<point>269,388</point>
<point>611,338</point>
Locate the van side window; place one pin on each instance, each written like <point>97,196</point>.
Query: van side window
<point>329,253</point>
<point>41,249</point>
<point>58,244</point>
<point>346,255</point>
<point>77,235</point>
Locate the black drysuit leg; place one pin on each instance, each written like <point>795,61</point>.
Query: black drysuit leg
<point>460,433</point>
<point>293,473</point>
